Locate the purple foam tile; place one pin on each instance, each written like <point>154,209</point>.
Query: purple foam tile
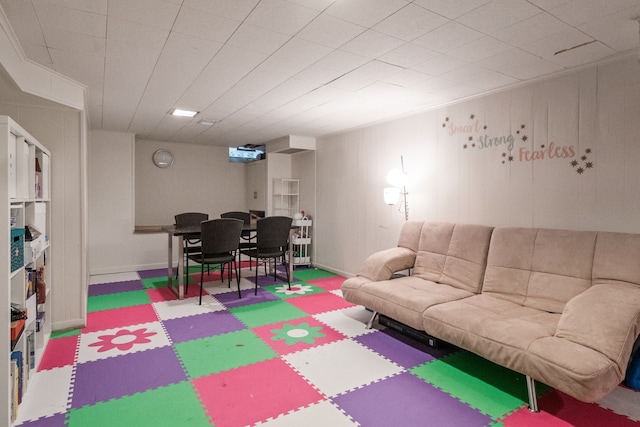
<point>104,379</point>
<point>149,274</point>
<point>407,398</point>
<point>115,287</point>
<point>57,420</point>
<point>230,299</point>
<point>202,325</point>
<point>395,350</point>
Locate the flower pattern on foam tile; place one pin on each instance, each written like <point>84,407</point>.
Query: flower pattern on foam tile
<point>296,289</point>
<point>292,334</point>
<point>122,340</point>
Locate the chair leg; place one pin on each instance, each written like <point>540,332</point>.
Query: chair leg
<point>286,268</point>
<point>256,291</point>
<point>201,282</point>
<point>237,268</point>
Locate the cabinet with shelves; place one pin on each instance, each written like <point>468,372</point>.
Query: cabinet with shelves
<point>24,235</point>
<point>286,196</point>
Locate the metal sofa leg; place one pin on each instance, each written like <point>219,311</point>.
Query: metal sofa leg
<point>370,322</point>
<point>533,399</point>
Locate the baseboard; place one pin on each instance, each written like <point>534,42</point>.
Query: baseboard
<point>333,270</point>
<point>127,268</point>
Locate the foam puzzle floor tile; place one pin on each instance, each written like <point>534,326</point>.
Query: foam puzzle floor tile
<point>281,358</point>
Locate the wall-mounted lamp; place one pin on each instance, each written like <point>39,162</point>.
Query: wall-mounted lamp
<point>397,178</point>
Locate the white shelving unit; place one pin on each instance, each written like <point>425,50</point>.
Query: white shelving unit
<point>286,196</point>
<point>302,242</point>
<point>24,192</point>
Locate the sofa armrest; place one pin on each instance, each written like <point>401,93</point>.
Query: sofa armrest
<point>605,318</point>
<point>381,265</point>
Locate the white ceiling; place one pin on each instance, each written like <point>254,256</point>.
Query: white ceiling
<point>263,69</point>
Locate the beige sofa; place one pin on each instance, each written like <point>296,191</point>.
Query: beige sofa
<point>561,307</point>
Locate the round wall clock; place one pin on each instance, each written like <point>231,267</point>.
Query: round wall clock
<point>162,158</point>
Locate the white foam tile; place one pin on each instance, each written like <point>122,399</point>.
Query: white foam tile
<point>186,307</point>
<point>217,287</point>
<point>623,401</point>
<point>349,321</point>
<point>321,414</point>
<point>113,277</point>
<point>47,394</point>
<point>119,341</point>
<point>341,366</point>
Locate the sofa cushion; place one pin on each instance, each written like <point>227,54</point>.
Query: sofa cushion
<point>453,254</point>
<point>539,268</point>
<point>404,299</point>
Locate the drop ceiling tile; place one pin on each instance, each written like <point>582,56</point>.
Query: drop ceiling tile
<point>578,12</point>
<point>619,31</point>
<point>479,77</point>
<point>551,47</point>
<point>65,40</point>
<point>341,61</point>
<point>281,16</point>
<point>93,6</point>
<point>439,65</point>
<point>586,54</point>
<point>498,14</point>
<point>365,12</point>
<point>330,31</point>
<point>410,22</point>
<point>448,37</point>
<point>232,9</point>
<point>376,70</point>
<point>319,5</point>
<point>406,78</point>
<point>372,44</point>
<point>163,16</point>
<point>535,28</point>
<point>122,50</point>
<point>408,55</point>
<point>479,49</point>
<point>29,33</point>
<point>294,56</point>
<point>86,69</point>
<point>197,23</point>
<point>136,34</point>
<point>520,64</point>
<point>451,8</point>
<point>19,10</point>
<point>548,4</point>
<point>251,37</point>
<point>350,83</point>
<point>73,20</point>
<point>318,75</point>
<point>38,53</point>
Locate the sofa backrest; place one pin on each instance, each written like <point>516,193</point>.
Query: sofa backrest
<point>539,268</point>
<point>453,254</point>
<point>616,258</point>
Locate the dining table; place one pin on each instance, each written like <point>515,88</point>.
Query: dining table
<point>193,231</point>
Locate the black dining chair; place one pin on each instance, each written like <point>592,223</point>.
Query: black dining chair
<point>248,237</point>
<point>271,243</point>
<point>191,243</point>
<point>220,239</point>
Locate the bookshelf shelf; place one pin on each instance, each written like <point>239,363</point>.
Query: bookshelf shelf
<point>24,235</point>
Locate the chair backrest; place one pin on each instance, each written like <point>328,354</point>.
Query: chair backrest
<point>220,235</point>
<point>187,219</point>
<point>273,232</point>
<point>244,216</point>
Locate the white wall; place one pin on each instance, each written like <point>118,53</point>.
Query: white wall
<point>459,177</point>
<point>201,179</point>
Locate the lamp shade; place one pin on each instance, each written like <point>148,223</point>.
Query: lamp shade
<point>391,195</point>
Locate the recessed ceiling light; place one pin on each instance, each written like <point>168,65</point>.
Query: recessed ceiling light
<point>206,122</point>
<point>183,113</point>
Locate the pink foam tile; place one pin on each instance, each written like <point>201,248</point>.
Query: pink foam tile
<point>319,303</point>
<point>295,335</point>
<point>126,316</point>
<point>59,352</point>
<point>561,410</point>
<point>166,294</point>
<point>253,393</point>
<point>328,283</point>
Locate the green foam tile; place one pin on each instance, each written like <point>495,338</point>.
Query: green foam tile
<point>170,406</point>
<point>311,273</point>
<point>219,353</point>
<point>117,300</point>
<point>490,388</point>
<point>65,333</point>
<point>266,312</point>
